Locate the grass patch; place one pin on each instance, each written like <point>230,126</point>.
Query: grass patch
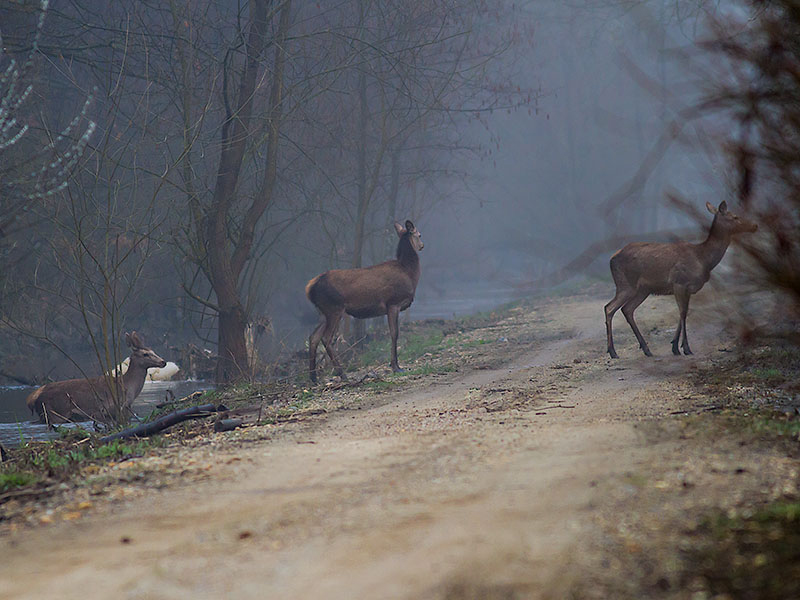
<point>14,479</point>
<point>415,346</point>
<point>751,556</point>
<point>301,399</point>
<point>761,376</point>
<point>464,344</point>
<point>428,370</point>
<point>432,336</point>
<point>769,375</point>
<point>381,385</point>
<point>395,380</point>
<point>774,424</point>
<point>772,365</point>
<point>63,459</point>
<point>410,347</point>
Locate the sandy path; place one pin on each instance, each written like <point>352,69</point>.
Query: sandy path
<point>479,488</point>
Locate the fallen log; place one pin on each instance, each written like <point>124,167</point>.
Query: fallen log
<point>227,424</point>
<point>163,422</point>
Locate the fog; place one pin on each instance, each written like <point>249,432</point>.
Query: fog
<point>566,143</point>
<point>542,195</point>
<point>537,195</point>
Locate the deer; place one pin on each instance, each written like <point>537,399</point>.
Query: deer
<point>387,289</point>
<point>92,398</point>
<point>680,268</point>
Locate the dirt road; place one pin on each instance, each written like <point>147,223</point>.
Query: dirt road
<point>490,483</point>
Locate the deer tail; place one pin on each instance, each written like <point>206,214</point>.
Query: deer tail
<point>617,270</point>
<point>33,402</point>
<point>310,289</point>
<point>321,292</point>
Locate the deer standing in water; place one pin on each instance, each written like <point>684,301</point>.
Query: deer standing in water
<point>92,398</point>
<point>383,289</point>
<point>678,268</point>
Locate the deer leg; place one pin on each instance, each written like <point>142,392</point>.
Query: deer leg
<point>332,324</point>
<point>679,330</point>
<point>621,297</point>
<point>682,296</point>
<point>392,313</point>
<point>627,309</point>
<point>677,337</point>
<point>313,342</point>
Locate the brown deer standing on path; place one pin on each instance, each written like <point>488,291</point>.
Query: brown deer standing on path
<point>92,398</point>
<point>383,289</point>
<point>679,268</point>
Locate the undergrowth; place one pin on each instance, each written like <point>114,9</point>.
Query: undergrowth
<point>60,460</point>
<point>755,555</point>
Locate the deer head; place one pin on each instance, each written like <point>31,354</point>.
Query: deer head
<point>729,222</point>
<point>414,234</point>
<point>141,355</point>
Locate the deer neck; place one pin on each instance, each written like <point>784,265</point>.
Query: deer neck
<point>133,380</point>
<point>714,247</point>
<point>408,257</point>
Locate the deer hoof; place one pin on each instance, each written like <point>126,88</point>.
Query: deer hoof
<point>675,350</point>
<point>313,376</point>
<point>397,369</point>
<point>612,353</point>
<point>647,352</point>
<point>687,352</point>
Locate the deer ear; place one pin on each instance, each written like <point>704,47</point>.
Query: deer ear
<point>723,207</point>
<point>135,340</point>
<point>399,229</point>
<point>711,208</point>
<point>410,226</point>
<point>128,340</point>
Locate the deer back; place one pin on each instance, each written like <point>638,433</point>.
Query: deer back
<point>368,291</point>
<point>652,265</point>
<point>364,292</point>
<point>74,399</point>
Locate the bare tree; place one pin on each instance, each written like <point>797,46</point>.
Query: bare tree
<point>226,260</point>
<point>90,239</point>
<point>760,93</point>
<point>225,220</point>
<point>34,163</point>
<point>223,125</point>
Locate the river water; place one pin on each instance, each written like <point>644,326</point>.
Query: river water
<point>458,303</point>
<point>15,418</point>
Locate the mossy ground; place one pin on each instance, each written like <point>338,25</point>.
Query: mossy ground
<point>755,552</point>
<point>750,555</point>
<point>744,545</point>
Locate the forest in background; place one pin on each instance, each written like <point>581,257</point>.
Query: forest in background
<point>183,168</point>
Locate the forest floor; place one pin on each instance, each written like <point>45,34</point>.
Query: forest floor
<point>513,459</point>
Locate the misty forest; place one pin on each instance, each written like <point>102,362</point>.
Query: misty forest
<point>318,299</point>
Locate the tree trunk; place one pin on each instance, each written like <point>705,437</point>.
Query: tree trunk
<point>226,260</point>
<point>233,360</point>
<point>359,325</point>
